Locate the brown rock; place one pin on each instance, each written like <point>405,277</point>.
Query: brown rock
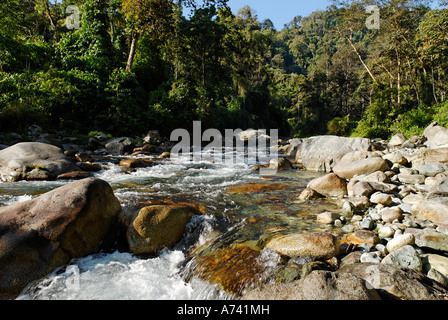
<point>42,234</point>
<point>330,186</point>
<point>157,227</point>
<point>320,245</point>
<point>256,188</point>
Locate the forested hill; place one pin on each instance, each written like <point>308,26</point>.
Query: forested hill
<point>137,65</point>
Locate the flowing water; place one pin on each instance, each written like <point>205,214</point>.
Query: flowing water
<point>221,254</point>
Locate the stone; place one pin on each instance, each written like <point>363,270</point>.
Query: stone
<point>318,285</point>
<point>436,261</point>
<point>158,227</point>
<point>75,175</point>
<point>309,194</point>
<point>425,156</point>
<point>429,239</point>
<point>432,169</point>
<point>134,163</point>
<point>437,136</point>
<point>386,232</point>
<point>391,214</point>
<point>361,204</point>
<point>405,256</point>
<point>361,189</point>
<point>330,185</point>
<point>414,198</point>
<point>320,245</point>
<point>367,223</point>
<point>120,146</point>
<point>434,274</point>
<point>153,138</point>
<point>348,209</point>
<point>381,198</point>
<point>367,166</point>
<point>25,160</point>
<point>42,234</point>
<point>412,178</point>
<point>363,236</point>
<point>395,158</point>
<point>292,149</point>
<point>327,217</point>
<point>439,189</point>
<point>370,257</point>
<point>400,241</point>
<point>321,153</point>
<point>396,141</point>
<point>377,176</point>
<point>394,282</point>
<point>90,167</point>
<point>435,210</point>
<point>280,164</point>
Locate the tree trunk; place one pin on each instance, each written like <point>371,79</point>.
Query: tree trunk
<point>130,63</point>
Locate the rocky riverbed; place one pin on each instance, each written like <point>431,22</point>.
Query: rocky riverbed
<point>379,212</point>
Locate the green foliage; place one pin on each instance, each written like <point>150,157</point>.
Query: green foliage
<point>341,126</point>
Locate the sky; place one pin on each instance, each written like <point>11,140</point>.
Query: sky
<point>280,11</point>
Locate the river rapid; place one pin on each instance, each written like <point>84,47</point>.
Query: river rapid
<point>226,241</point>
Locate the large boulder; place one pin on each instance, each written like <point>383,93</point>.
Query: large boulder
<point>396,282</point>
<point>157,227</point>
<point>44,233</point>
<point>367,166</point>
<point>318,285</point>
<point>330,185</point>
<point>425,156</point>
<point>34,161</point>
<point>321,153</point>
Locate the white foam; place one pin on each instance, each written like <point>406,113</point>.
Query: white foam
<point>122,276</point>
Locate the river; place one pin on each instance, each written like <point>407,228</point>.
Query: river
<point>221,254</point>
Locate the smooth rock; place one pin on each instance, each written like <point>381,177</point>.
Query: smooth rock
<point>395,158</point>
<point>280,164</point>
<point>405,256</point>
<point>386,232</point>
<point>391,214</point>
<point>429,239</point>
<point>321,153</point>
<point>396,140</point>
<point>309,194</point>
<point>432,169</point>
<point>42,234</point>
<point>367,166</point>
<point>158,227</point>
<point>381,198</point>
<point>33,160</point>
<point>412,178</point>
<point>400,241</point>
<point>327,217</point>
<point>370,257</point>
<point>320,245</point>
<point>436,211</point>
<point>395,282</point>
<point>330,185</point>
<point>436,261</point>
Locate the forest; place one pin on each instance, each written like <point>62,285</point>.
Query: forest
<point>130,66</point>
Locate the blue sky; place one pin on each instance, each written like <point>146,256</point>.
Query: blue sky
<point>280,11</point>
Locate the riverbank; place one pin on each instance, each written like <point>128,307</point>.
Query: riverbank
<point>386,229</point>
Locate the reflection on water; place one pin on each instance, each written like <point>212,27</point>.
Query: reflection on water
<point>224,246</point>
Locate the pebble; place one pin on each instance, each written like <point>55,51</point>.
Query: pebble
<point>381,198</point>
<point>370,257</point>
<point>386,232</point>
<point>367,223</point>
